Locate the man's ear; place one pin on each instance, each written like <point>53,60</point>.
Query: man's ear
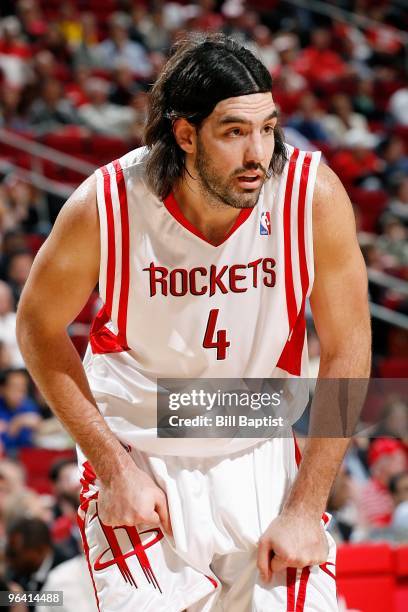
<point>184,133</point>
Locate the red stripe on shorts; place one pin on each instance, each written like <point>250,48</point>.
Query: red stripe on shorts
<point>304,577</point>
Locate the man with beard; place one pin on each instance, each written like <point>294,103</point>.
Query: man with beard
<point>205,254</point>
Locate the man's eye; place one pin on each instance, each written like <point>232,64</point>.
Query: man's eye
<point>234,132</point>
<point>268,129</point>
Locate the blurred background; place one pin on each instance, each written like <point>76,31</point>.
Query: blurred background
<point>74,84</point>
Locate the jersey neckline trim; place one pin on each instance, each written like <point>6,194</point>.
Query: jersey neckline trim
<point>174,209</point>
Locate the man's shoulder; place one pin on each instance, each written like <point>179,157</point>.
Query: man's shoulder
<point>134,162</point>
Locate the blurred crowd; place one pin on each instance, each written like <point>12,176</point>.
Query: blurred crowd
<point>81,72</point>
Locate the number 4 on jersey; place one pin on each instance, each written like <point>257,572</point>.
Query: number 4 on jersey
<point>221,343</point>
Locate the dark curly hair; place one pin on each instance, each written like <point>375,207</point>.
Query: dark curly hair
<point>201,71</point>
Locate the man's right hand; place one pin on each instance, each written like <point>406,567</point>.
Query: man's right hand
<point>133,498</point>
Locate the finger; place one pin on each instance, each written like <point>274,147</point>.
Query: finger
<point>150,519</point>
<point>278,564</point>
<point>263,562</point>
<point>164,514</point>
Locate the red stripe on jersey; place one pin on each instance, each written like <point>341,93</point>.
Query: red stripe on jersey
<point>172,206</point>
<point>298,454</point>
<point>304,274</point>
<point>124,287</point>
<point>110,222</point>
<point>290,589</point>
<point>102,340</point>
<point>291,358</point>
<point>288,359</point>
<point>300,603</point>
<point>289,287</point>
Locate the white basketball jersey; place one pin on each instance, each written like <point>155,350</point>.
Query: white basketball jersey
<point>176,306</point>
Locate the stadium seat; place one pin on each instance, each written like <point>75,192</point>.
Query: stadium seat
<point>394,367</point>
<point>370,203</point>
<point>71,143</point>
<point>401,565</point>
<point>366,578</point>
<point>37,462</point>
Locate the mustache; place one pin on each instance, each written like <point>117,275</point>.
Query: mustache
<point>267,173</point>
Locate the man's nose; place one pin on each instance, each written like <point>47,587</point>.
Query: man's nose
<point>255,151</point>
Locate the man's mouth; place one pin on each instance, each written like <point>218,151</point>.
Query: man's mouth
<point>250,181</point>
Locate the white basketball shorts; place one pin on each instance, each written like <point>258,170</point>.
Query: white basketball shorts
<point>219,508</point>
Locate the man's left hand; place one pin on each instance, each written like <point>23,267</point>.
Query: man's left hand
<point>291,540</point>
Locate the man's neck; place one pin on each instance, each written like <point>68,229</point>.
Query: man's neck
<point>213,219</point>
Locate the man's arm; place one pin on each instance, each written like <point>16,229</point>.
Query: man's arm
<point>63,275</point>
<point>339,302</point>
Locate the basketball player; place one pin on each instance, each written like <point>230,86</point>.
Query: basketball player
<point>205,244</point>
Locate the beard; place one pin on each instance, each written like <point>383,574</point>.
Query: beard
<point>221,190</point>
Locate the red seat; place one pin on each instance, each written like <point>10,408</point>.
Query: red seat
<point>106,148</point>
<point>71,143</point>
<point>365,577</point>
<point>370,203</point>
<point>37,463</point>
<point>394,367</point>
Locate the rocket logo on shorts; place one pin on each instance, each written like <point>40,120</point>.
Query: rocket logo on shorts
<point>265,223</point>
<point>119,557</point>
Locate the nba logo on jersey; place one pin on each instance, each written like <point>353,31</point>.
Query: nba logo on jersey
<point>265,223</point>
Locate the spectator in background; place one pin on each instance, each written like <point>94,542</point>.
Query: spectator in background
<point>262,46</point>
<point>70,24</point>
<point>6,585</point>
<point>287,46</point>
<point>87,52</point>
<point>54,41</point>
<point>393,153</point>
<point>386,458</point>
<point>317,62</point>
<point>393,240</point>
<point>342,507</point>
<point>152,32</point>
<point>64,475</point>
<point>13,241</point>
<point>342,119</point>
<point>72,577</point>
<point>19,415</point>
<point>45,69</point>
<point>393,422</point>
<point>138,14</point>
<point>102,117</point>
<point>75,90</point>
<point>398,206</point>
<point>33,21</point>
<point>14,53</point>
<point>21,203</point>
<point>30,553</point>
<point>208,20</point>
<point>357,163</point>
<point>124,86</point>
<point>364,100</point>
<point>12,116</point>
<point>52,111</point>
<point>119,50</point>
<point>64,529</point>
<point>398,105</point>
<point>8,327</point>
<point>18,269</point>
<point>309,119</point>
<point>398,487</point>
